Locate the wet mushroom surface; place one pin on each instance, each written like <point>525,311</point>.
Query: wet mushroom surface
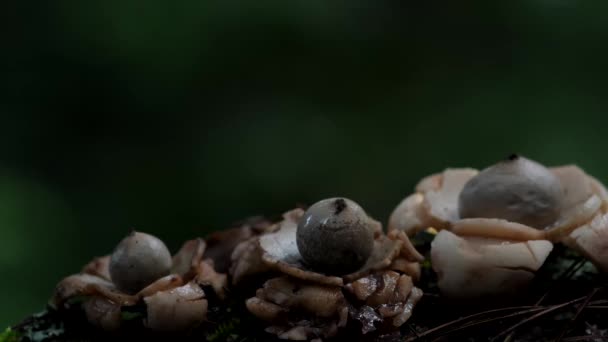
<point>497,226</point>
<point>140,278</point>
<point>328,269</point>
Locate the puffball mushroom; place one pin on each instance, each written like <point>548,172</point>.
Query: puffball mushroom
<point>334,236</point>
<point>498,226</point>
<point>517,190</point>
<point>138,260</point>
<point>299,302</point>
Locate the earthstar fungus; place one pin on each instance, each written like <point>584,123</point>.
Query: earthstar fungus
<point>497,226</point>
<point>140,271</point>
<point>334,235</point>
<point>315,296</point>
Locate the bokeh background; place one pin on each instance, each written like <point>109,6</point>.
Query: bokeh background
<point>180,117</point>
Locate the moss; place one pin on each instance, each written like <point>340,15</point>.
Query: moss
<point>9,335</point>
<point>226,331</point>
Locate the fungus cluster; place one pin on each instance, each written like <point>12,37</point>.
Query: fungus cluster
<point>498,226</point>
<point>329,268</point>
<point>139,271</point>
<point>332,268</point>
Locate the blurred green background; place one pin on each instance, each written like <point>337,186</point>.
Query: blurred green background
<point>178,118</point>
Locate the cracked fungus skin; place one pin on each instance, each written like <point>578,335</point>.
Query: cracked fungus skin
<point>497,226</point>
<point>299,302</point>
<point>174,291</point>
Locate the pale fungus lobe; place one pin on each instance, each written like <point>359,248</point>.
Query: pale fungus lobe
<point>137,261</point>
<point>517,189</point>
<point>335,236</point>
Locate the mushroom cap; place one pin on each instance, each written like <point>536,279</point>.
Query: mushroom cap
<point>518,190</point>
<point>138,260</point>
<point>335,236</point>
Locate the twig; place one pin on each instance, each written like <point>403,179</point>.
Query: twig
<point>466,318</point>
<point>412,329</point>
<point>540,314</point>
<point>578,312</point>
<point>584,338</point>
<point>596,302</point>
<point>529,309</point>
<point>519,313</point>
<point>569,272</point>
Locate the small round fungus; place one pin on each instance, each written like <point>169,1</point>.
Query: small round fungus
<point>517,189</point>
<point>335,236</point>
<point>138,260</point>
